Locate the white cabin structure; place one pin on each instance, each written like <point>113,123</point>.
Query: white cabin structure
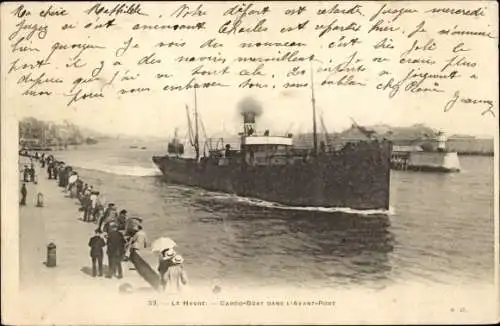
<point>266,150</point>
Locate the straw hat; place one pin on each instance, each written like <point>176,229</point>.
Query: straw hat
<point>168,254</point>
<point>177,259</point>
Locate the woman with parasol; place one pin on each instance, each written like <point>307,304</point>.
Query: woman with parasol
<point>165,247</point>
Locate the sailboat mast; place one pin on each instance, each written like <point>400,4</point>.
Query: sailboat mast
<point>196,136</point>
<point>44,136</point>
<point>313,100</point>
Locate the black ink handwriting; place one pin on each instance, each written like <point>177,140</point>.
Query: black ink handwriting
<point>397,12</point>
<point>184,11</point>
<point>450,104</point>
<point>39,80</point>
<point>41,30</point>
<point>119,9</point>
<point>53,12</point>
<point>335,10</point>
<point>235,27</point>
<point>193,84</point>
<point>80,96</point>
<point>431,45</point>
<point>17,47</point>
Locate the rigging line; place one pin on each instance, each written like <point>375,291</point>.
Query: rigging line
<point>202,125</point>
<point>186,138</point>
<point>313,102</point>
<point>190,128</point>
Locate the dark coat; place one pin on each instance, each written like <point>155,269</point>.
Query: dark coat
<point>96,244</point>
<point>121,221</point>
<point>116,244</point>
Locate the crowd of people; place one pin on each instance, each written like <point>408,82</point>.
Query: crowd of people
<point>115,231</point>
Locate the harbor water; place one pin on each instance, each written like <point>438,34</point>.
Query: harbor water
<point>439,230</point>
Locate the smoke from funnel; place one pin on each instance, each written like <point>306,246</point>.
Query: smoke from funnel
<point>250,109</point>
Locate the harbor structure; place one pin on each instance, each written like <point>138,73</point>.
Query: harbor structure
<point>432,158</point>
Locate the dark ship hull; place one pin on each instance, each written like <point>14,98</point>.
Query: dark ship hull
<point>358,177</point>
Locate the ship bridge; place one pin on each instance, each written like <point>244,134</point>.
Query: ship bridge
<point>266,150</point>
<point>266,141</point>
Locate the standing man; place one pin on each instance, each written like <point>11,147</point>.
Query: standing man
<point>122,220</point>
<point>83,192</point>
<point>32,172</point>
<point>139,239</point>
<point>86,203</point>
<point>50,169</point>
<point>94,196</point>
<point>115,251</point>
<point>108,215</point>
<point>79,188</point>
<point>96,243</point>
<point>26,173</point>
<point>24,192</point>
<point>63,174</point>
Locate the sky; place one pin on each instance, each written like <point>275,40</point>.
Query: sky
<point>158,113</point>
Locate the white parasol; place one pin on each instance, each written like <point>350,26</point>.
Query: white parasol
<point>162,243</point>
<point>73,178</point>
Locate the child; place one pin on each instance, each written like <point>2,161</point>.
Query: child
<point>176,277</point>
<point>164,262</point>
<point>96,244</point>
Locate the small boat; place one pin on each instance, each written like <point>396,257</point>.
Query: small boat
<point>175,146</point>
<point>144,147</point>
<point>133,146</point>
<point>91,141</point>
<point>145,270</point>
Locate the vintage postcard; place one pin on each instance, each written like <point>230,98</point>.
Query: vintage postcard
<point>272,162</point>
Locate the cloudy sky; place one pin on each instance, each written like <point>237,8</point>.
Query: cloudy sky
<point>158,112</point>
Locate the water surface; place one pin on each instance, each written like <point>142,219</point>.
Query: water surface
<point>440,230</point>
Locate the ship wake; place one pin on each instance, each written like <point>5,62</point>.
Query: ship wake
<point>135,171</point>
<point>125,170</point>
<point>273,205</point>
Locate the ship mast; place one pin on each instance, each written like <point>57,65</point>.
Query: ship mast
<point>313,100</point>
<point>44,136</point>
<point>196,136</point>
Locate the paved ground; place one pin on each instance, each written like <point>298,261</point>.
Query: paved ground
<point>58,221</point>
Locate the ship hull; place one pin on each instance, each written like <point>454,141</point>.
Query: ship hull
<point>439,169</point>
<point>356,177</point>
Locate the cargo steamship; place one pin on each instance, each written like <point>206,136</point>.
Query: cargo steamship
<point>267,167</point>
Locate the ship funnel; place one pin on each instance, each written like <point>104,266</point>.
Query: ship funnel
<point>249,110</point>
<point>248,123</point>
<point>248,117</point>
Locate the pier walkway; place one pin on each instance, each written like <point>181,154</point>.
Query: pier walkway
<point>58,222</point>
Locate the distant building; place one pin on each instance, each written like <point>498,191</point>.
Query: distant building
<point>406,149</point>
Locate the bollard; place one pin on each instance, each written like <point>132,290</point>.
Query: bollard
<point>39,200</point>
<point>51,255</point>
